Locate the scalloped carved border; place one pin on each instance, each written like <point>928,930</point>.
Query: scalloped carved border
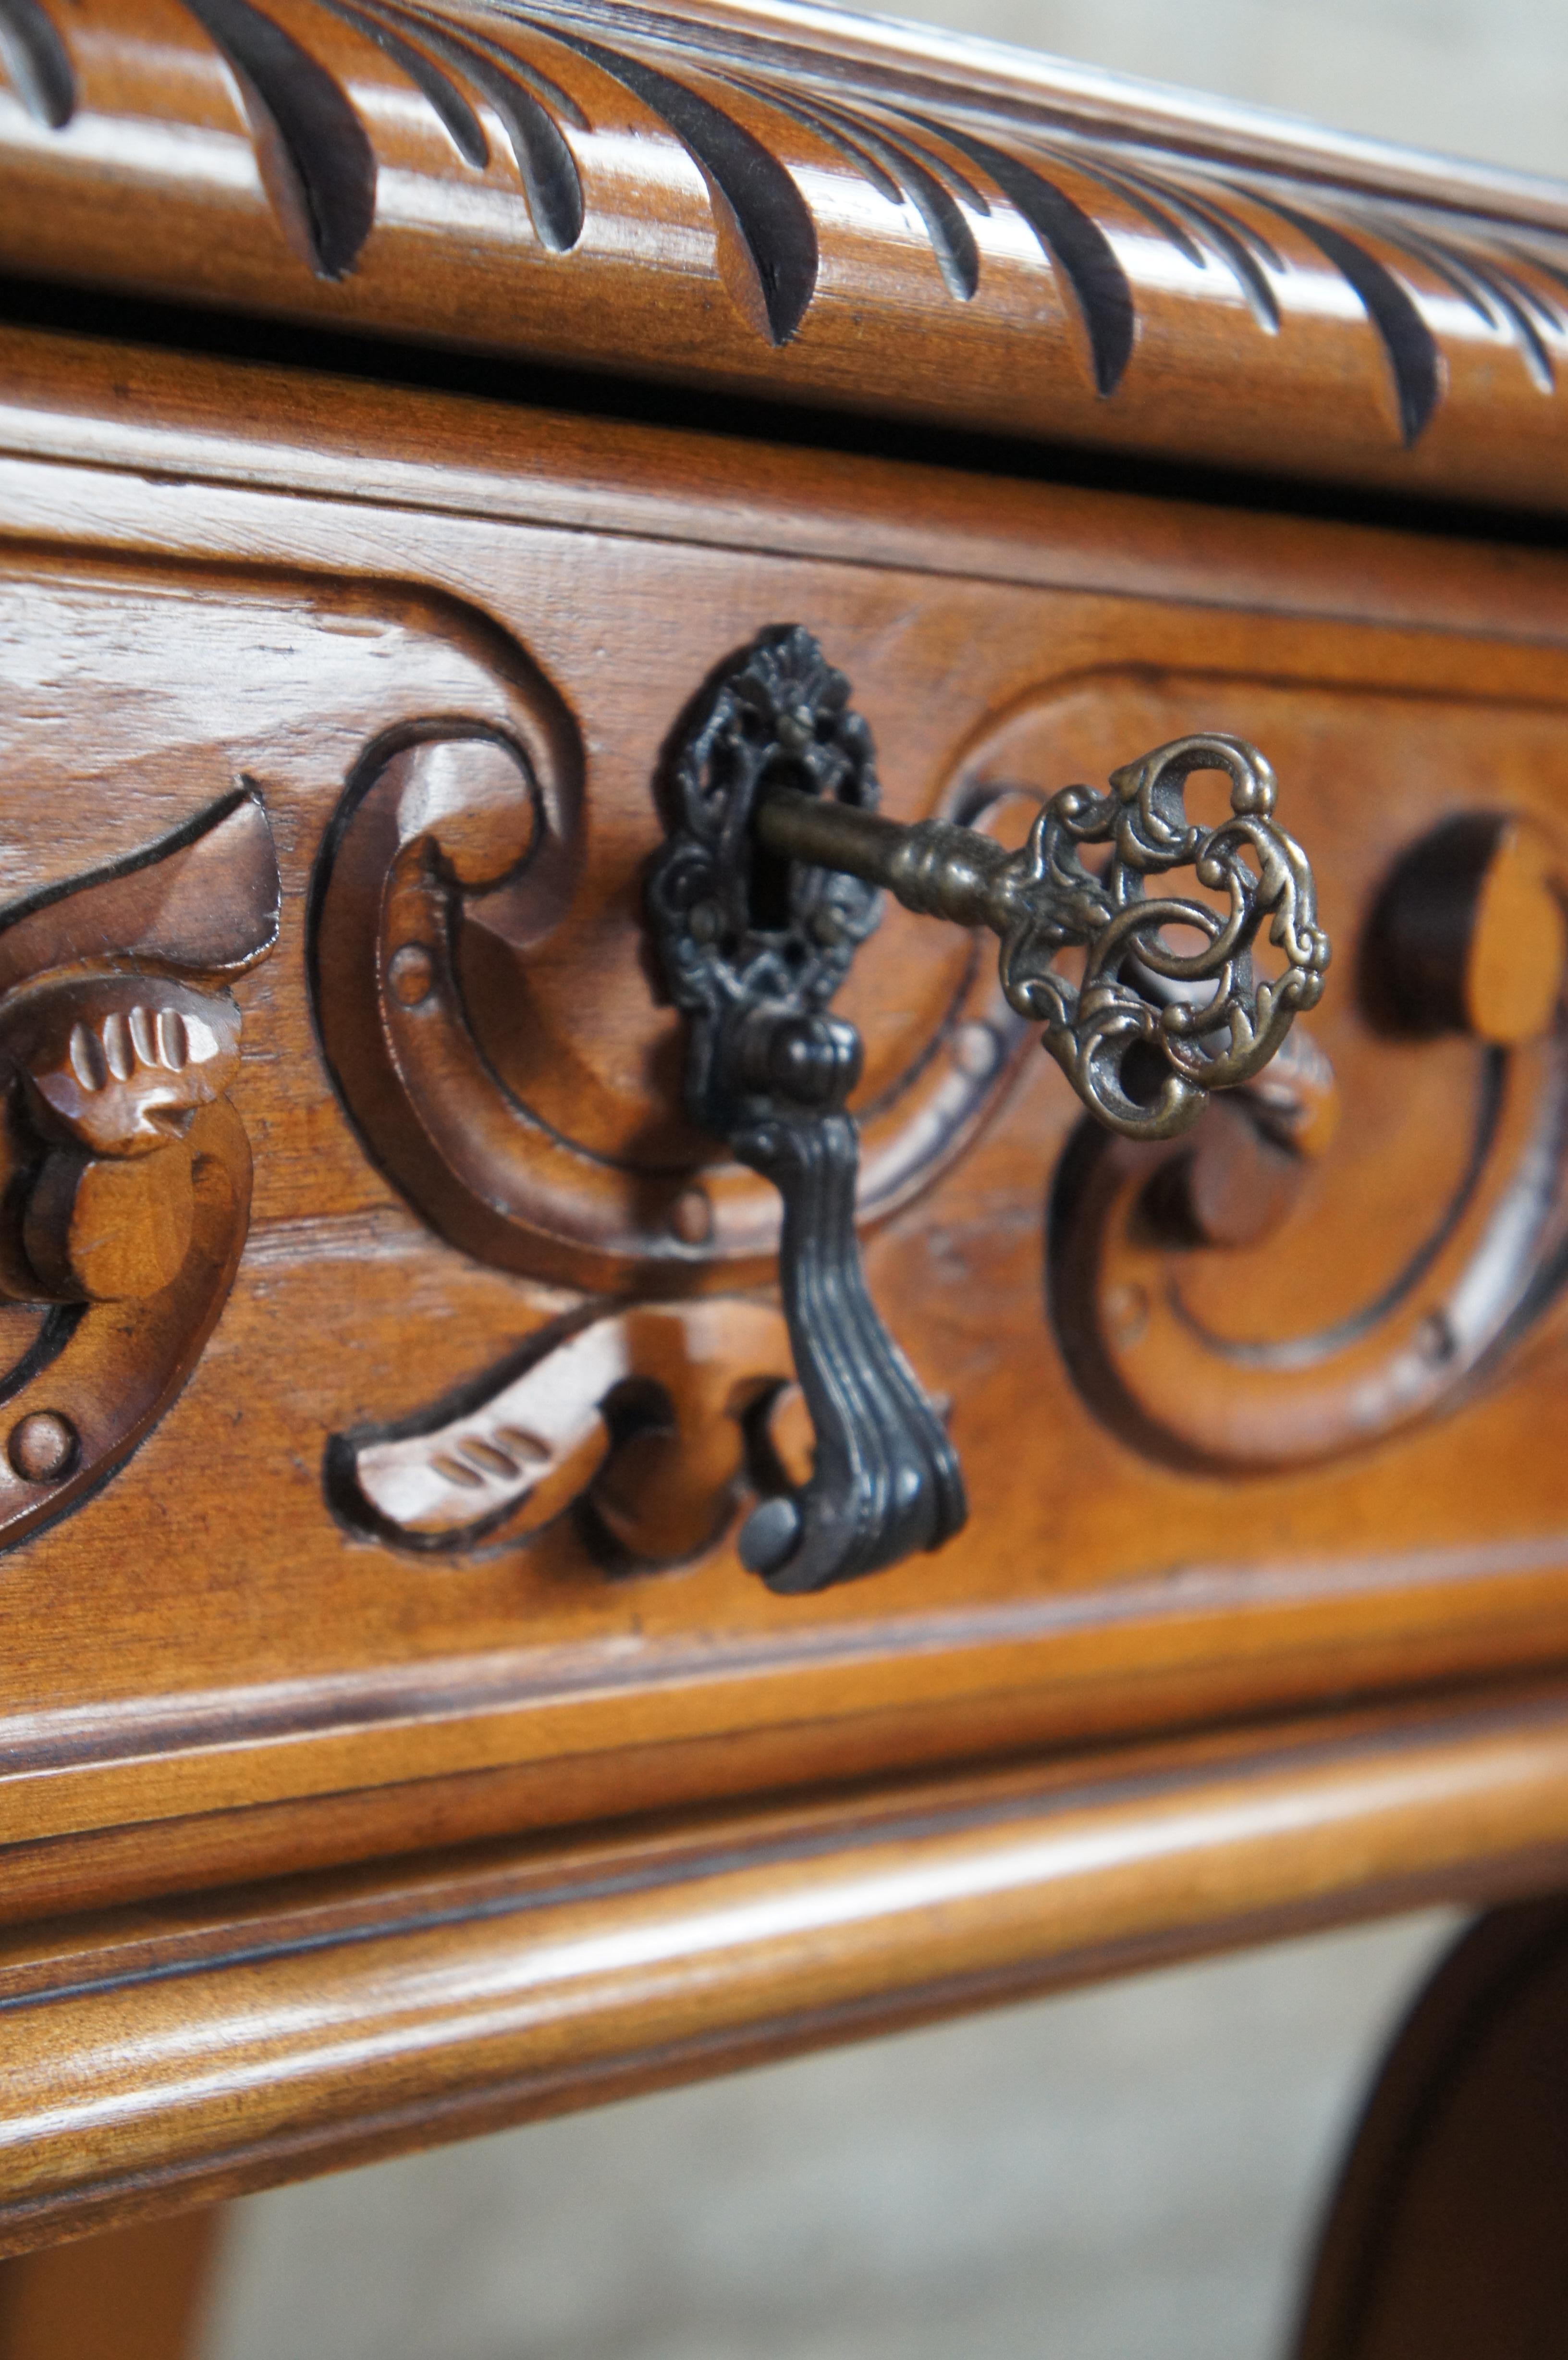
<point>495,79</point>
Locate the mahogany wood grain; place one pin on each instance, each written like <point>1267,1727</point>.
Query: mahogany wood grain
<point>137,2293</point>
<point>175,2053</point>
<point>786,204</point>
<point>338,1816</point>
<point>1444,2237</point>
<point>117,407</point>
<point>1469,934</point>
<point>201,621</point>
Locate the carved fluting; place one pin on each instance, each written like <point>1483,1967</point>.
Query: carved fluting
<point>38,63</point>
<point>505,1455</point>
<point>1088,205</point>
<point>121,1063</point>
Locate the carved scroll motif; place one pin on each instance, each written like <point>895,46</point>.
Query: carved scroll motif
<point>125,1170</point>
<point>640,1424</point>
<point>1160,1306</point>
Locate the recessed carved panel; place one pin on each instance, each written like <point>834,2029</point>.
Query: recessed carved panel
<point>1352,1243</point>
<point>521,1577</point>
<point>486,997</point>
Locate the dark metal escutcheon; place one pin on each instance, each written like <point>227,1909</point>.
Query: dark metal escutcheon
<point>764,888</point>
<point>754,950</point>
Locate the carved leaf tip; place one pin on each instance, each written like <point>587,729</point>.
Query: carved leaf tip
<point>37,64</point>
<point>315,154</point>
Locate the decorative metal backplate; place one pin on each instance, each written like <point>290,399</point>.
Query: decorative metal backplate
<point>754,950</point>
<point>742,932</point>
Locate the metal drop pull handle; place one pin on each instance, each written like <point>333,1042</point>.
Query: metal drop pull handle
<point>766,886</point>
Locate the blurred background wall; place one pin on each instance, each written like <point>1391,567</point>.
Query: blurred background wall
<point>1133,2173</point>
<point>1480,78</point>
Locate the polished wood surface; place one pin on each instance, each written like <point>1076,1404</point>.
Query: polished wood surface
<point>137,2293</point>
<point>1445,2235</point>
<point>1116,1576</point>
<point>392,1743</point>
<point>181,2051</point>
<point>126,1173</point>
<point>807,208</point>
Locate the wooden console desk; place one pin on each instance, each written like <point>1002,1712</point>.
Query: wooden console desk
<point>409,412</point>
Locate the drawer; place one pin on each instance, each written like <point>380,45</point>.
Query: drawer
<point>1213,1470</point>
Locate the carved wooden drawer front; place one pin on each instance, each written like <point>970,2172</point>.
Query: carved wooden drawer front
<point>447,1507</point>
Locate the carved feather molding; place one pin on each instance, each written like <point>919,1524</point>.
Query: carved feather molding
<point>718,197</point>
